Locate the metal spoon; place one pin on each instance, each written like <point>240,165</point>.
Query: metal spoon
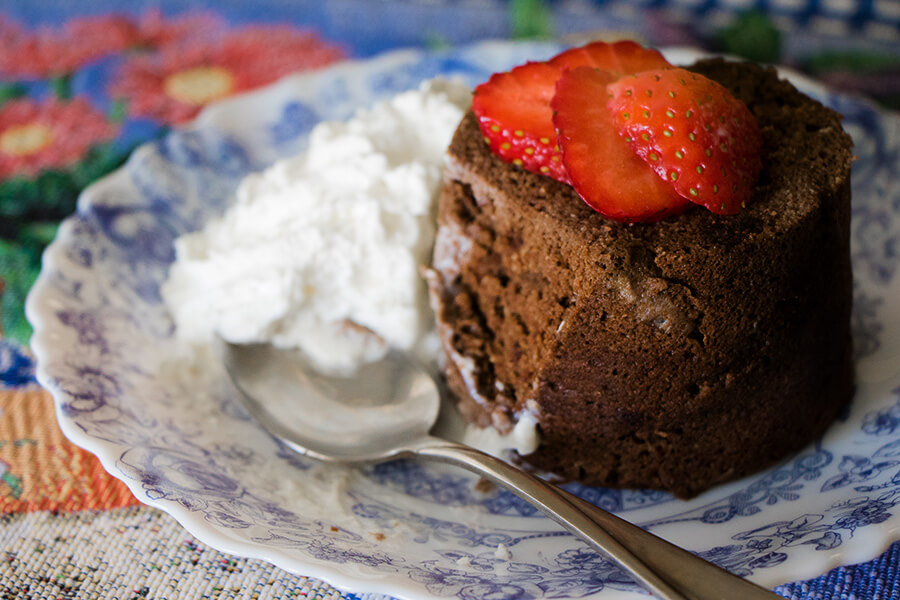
<point>386,410</point>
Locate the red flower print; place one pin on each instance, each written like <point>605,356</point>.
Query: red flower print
<point>37,136</point>
<point>150,31</point>
<point>154,31</point>
<point>10,31</point>
<point>174,84</point>
<point>98,36</point>
<point>51,52</point>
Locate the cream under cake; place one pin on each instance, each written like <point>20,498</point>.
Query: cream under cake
<point>672,355</point>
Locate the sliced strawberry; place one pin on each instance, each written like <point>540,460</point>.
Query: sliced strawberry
<point>692,132</point>
<point>620,58</point>
<point>603,169</point>
<point>513,108</point>
<point>513,111</point>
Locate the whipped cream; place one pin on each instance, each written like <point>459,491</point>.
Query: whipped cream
<point>322,251</point>
<point>523,438</point>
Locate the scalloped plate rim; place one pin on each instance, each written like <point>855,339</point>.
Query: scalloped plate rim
<point>37,310</point>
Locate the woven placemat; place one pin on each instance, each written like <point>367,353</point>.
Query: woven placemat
<point>40,469</point>
<point>132,553</point>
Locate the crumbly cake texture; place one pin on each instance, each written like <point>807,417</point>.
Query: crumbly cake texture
<point>674,355</point>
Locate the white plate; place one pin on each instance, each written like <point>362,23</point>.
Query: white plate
<point>172,430</point>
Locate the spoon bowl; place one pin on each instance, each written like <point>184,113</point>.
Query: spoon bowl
<point>369,415</point>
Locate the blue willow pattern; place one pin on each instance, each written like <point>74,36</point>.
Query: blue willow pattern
<point>103,279</point>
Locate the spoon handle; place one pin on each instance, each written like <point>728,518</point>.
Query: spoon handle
<point>683,569</point>
<point>665,570</point>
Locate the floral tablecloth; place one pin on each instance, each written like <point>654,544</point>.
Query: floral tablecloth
<point>82,84</point>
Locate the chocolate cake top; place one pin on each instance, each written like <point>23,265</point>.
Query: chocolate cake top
<point>806,154</point>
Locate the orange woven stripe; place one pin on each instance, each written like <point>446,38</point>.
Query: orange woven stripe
<point>40,469</point>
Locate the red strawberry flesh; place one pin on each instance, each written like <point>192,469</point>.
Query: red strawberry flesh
<point>603,169</point>
<point>513,111</point>
<point>513,108</point>
<point>619,58</point>
<point>692,132</point>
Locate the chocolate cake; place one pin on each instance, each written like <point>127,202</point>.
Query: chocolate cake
<point>673,355</point>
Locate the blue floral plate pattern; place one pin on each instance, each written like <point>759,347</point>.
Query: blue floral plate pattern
<point>171,428</point>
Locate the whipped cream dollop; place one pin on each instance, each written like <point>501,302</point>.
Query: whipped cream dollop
<point>322,251</point>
